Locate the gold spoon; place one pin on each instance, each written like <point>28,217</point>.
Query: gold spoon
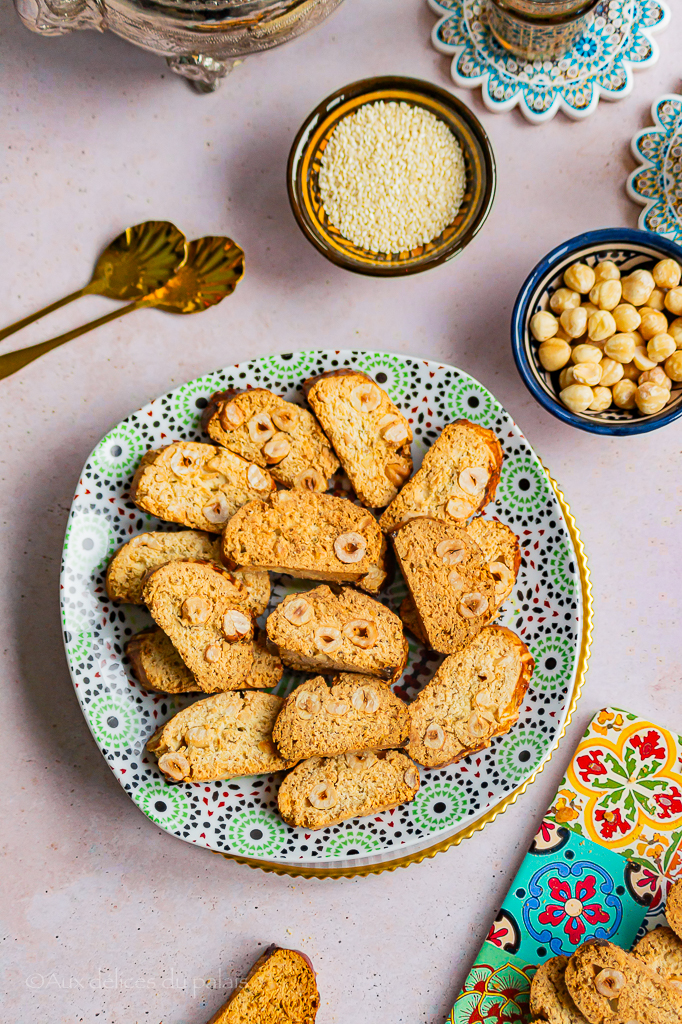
<point>213,269</point>
<point>136,263</point>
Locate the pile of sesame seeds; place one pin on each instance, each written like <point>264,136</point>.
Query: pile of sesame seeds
<point>392,177</point>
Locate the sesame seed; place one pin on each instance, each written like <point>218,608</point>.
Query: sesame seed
<point>392,177</point>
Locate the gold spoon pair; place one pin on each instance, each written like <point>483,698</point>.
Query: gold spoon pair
<point>153,265</point>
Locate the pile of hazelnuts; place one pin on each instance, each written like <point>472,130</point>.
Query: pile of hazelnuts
<point>615,340</point>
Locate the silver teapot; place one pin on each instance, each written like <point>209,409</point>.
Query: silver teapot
<point>200,39</point>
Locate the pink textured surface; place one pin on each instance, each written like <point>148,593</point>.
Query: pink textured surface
<point>105,917</point>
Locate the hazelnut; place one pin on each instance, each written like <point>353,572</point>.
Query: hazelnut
<point>502,575</point>
<point>284,419</point>
<point>606,294</point>
<point>361,632</point>
<point>673,301</point>
<point>393,428</point>
<point>350,547</point>
<point>543,326</point>
<point>231,416</point>
<point>434,737</point>
<point>196,610</point>
<point>621,347</point>
<point>365,699</point>
<point>624,394</point>
<point>667,273</point>
<point>473,479</point>
<point>297,611</point>
<point>236,625</point>
<point>175,766</point>
<point>554,354</point>
<point>334,706</point>
<point>586,354</point>
<point>627,317</point>
<point>580,278</point>
<point>472,605</point>
<point>260,428</point>
<point>641,359</point>
<point>609,983</point>
<point>374,579</point>
<point>574,322</point>
<point>606,271</point>
<point>651,398</point>
<point>218,512</point>
<point>307,704</point>
<point>411,778</point>
<point>656,375</point>
<point>479,724</point>
<point>267,747</point>
<point>181,462</point>
<point>323,796</point>
<point>637,287</point>
<point>455,580</point>
<point>673,366</point>
<point>397,472</point>
<point>357,761</point>
<point>365,397</point>
<point>199,736</point>
<point>145,540</point>
<point>602,400</point>
<point>257,479</point>
<point>587,373</point>
<point>611,372</point>
<point>310,480</point>
<point>660,347</point>
<point>577,397</point>
<point>328,639</point>
<point>213,653</point>
<point>563,299</point>
<point>600,325</point>
<point>652,323</point>
<point>276,449</point>
<point>451,551</point>
<point>459,508</point>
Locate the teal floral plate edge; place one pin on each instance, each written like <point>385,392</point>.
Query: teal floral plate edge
<point>617,41</point>
<point>239,817</point>
<point>657,182</point>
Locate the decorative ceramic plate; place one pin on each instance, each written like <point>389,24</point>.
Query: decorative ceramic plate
<point>618,40</point>
<point>600,866</point>
<point>550,609</point>
<point>657,182</point>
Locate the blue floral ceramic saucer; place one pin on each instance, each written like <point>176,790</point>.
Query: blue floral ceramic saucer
<point>617,40</point>
<point>657,182</point>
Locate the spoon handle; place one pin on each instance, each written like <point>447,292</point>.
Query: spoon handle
<point>6,331</point>
<point>13,361</point>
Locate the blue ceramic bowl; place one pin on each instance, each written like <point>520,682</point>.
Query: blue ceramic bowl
<point>627,248</point>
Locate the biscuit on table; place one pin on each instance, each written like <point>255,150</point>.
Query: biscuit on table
<point>449,581</point>
<point>205,613</point>
<point>457,478</point>
<point>550,1002</point>
<point>323,791</point>
<point>280,988</point>
<point>219,737</point>
<point>320,630</point>
<point>474,695</point>
<point>309,535</point>
<point>352,712</point>
<point>369,433</point>
<point>157,666</point>
<point>610,986</point>
<point>500,548</point>
<point>661,950</point>
<point>197,485</point>
<point>148,551</point>
<point>265,429</point>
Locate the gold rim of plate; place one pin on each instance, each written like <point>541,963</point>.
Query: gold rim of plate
<point>441,846</point>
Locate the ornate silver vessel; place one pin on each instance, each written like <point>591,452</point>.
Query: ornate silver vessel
<point>200,39</point>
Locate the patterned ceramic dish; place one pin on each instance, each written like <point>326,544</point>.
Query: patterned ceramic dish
<point>657,182</point>
<point>628,249</point>
<point>550,608</point>
<point>617,41</point>
<point>304,166</point>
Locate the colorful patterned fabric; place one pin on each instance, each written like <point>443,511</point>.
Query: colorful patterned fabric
<point>599,867</point>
